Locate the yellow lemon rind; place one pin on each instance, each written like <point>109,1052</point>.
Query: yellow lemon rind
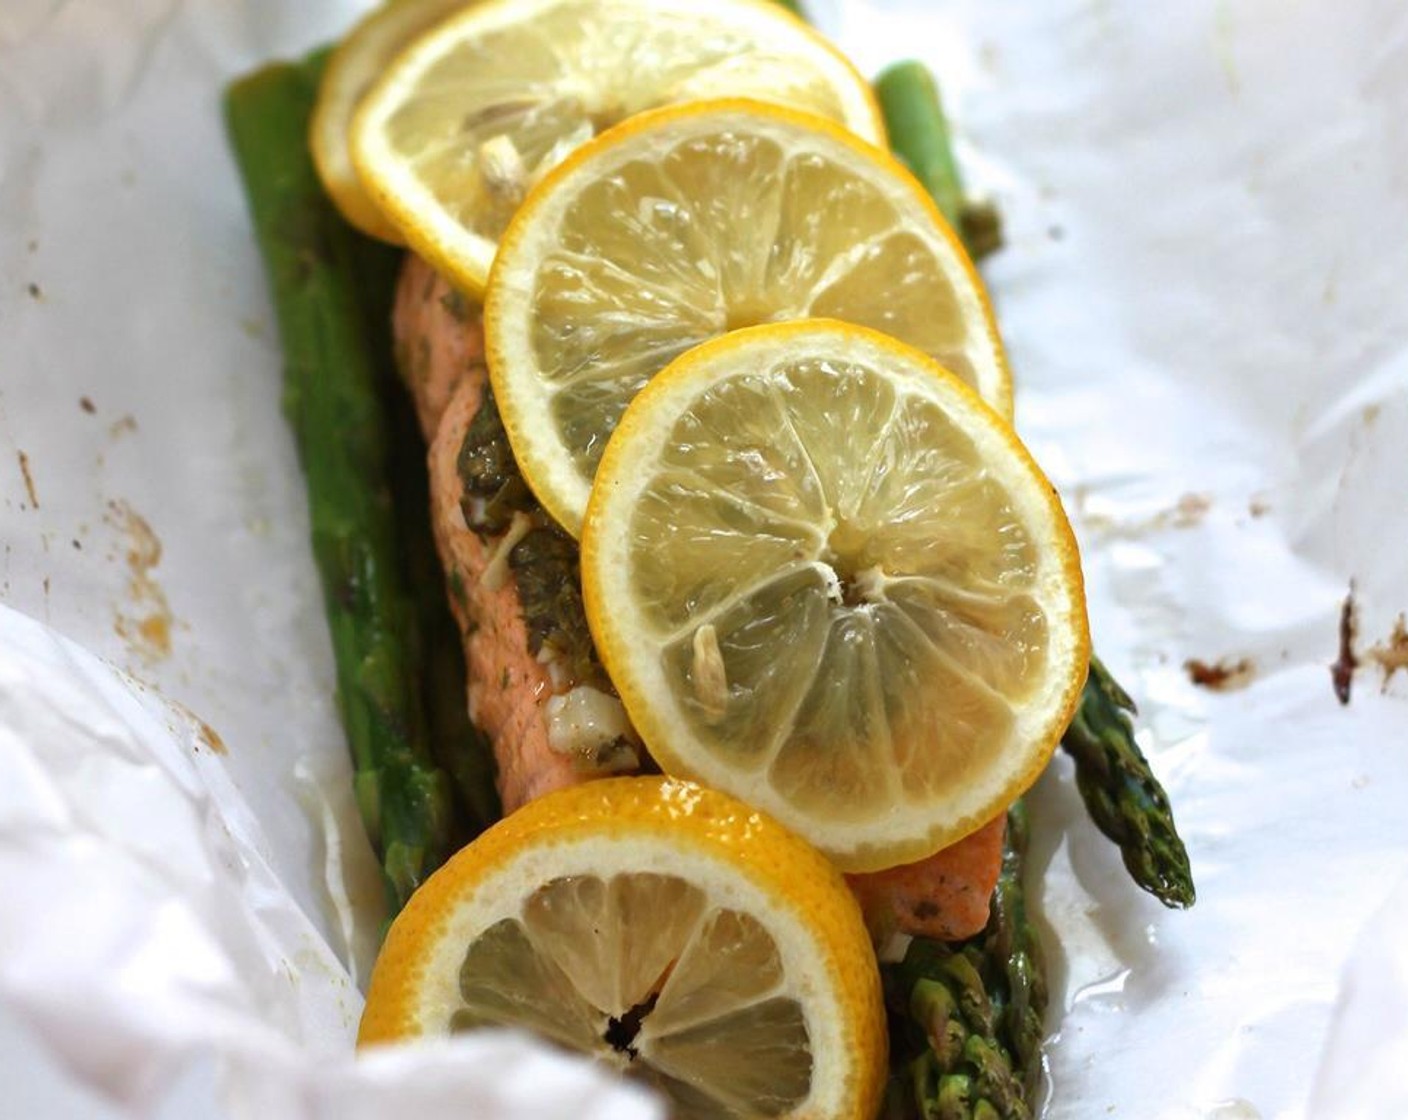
<point>350,71</point>
<point>905,834</point>
<point>658,825</point>
<point>465,257</point>
<point>523,399</point>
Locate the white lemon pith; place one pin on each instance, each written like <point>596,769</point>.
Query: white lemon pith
<point>826,578</point>
<point>686,223</point>
<point>656,926</point>
<point>352,70</point>
<point>472,113</point>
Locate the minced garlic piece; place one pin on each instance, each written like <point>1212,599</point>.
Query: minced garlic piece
<point>496,570</point>
<point>503,170</point>
<point>708,674</point>
<point>592,728</point>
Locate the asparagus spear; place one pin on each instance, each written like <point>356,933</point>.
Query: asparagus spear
<point>966,1018</point>
<point>1120,791</point>
<point>919,135</point>
<point>331,400</point>
<point>1012,959</point>
<point>456,744</point>
<point>1123,797</point>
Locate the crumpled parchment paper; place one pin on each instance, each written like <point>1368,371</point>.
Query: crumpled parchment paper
<point>1202,298</point>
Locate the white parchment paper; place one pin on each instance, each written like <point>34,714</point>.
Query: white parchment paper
<point>1202,295</point>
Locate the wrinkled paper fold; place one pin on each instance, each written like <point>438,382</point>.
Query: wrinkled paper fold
<point>1201,295</point>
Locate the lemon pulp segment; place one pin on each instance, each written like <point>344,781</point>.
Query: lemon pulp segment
<point>352,70</point>
<point>688,223</point>
<point>826,578</point>
<point>472,114</point>
<point>664,929</point>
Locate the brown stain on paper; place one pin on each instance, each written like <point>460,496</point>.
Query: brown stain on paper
<point>206,736</point>
<point>210,737</point>
<point>145,624</point>
<point>1189,512</point>
<point>28,481</point>
<point>1342,670</point>
<point>1224,675</point>
<point>1392,655</point>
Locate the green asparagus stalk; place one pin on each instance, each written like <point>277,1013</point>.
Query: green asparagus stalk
<point>1012,959</point>
<point>332,403</point>
<point>457,745</point>
<point>1123,797</point>
<point>1120,791</point>
<point>792,6</point>
<point>920,136</point>
<point>966,1018</point>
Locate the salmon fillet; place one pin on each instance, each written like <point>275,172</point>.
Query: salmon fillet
<point>507,685</point>
<point>440,347</point>
<point>549,727</point>
<point>945,896</point>
<point>439,341</point>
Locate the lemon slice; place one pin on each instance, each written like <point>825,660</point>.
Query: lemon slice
<point>826,578</point>
<point>351,71</point>
<point>691,221</point>
<point>472,113</point>
<point>665,929</point>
